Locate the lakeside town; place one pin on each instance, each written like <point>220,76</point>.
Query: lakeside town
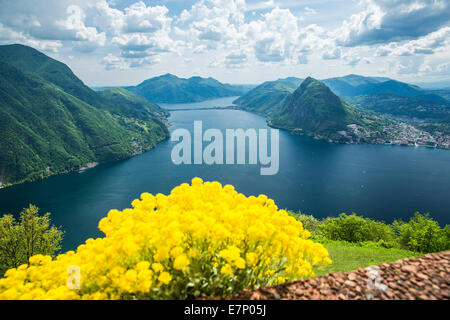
<point>396,133</point>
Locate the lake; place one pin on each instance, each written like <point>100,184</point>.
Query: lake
<point>316,177</point>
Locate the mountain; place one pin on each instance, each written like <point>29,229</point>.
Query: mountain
<point>346,86</point>
<point>398,88</point>
<point>30,60</point>
<point>268,96</point>
<point>313,109</point>
<point>171,89</point>
<point>355,85</point>
<point>391,97</point>
<point>51,123</point>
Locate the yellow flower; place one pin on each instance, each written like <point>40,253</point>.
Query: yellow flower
<point>252,258</point>
<point>157,267</point>
<point>226,269</point>
<point>240,263</point>
<point>162,253</point>
<point>130,275</point>
<point>130,248</point>
<point>177,251</point>
<point>197,182</point>
<point>165,277</point>
<point>181,262</point>
<point>143,265</point>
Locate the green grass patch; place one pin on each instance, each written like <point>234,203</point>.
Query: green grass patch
<point>348,256</point>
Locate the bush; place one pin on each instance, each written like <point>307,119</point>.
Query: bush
<point>309,222</point>
<point>353,228</point>
<point>201,240</point>
<point>422,234</point>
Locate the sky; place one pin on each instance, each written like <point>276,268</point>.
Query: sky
<point>123,42</point>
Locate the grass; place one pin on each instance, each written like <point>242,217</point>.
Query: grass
<point>348,256</point>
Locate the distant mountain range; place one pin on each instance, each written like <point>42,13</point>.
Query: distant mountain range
<point>392,97</point>
<point>378,94</point>
<point>169,88</point>
<point>51,123</point>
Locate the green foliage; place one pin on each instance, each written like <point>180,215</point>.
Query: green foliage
<point>32,234</point>
<point>171,89</point>
<point>422,233</point>
<point>435,128</point>
<point>403,106</point>
<point>309,222</point>
<point>132,104</point>
<point>353,228</point>
<point>51,123</point>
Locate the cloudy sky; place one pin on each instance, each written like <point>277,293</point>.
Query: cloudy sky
<point>122,42</point>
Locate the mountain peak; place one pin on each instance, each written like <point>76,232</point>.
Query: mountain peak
<point>311,84</point>
<point>308,81</point>
<point>313,108</point>
<point>18,46</point>
<point>168,76</point>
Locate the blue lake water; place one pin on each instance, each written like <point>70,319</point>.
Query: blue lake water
<point>316,177</point>
<point>216,103</point>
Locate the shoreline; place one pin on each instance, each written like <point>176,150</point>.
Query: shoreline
<point>89,165</point>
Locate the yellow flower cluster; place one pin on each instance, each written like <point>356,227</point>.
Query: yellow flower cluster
<point>201,240</point>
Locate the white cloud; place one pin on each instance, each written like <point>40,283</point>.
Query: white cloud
<point>140,18</point>
<point>142,42</point>
<point>141,32</point>
<point>112,62</point>
<point>277,37</point>
<point>52,20</point>
<point>334,53</point>
<point>8,35</point>
<point>86,38</point>
<point>384,21</point>
<point>428,44</point>
<point>216,23</point>
<point>236,59</point>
